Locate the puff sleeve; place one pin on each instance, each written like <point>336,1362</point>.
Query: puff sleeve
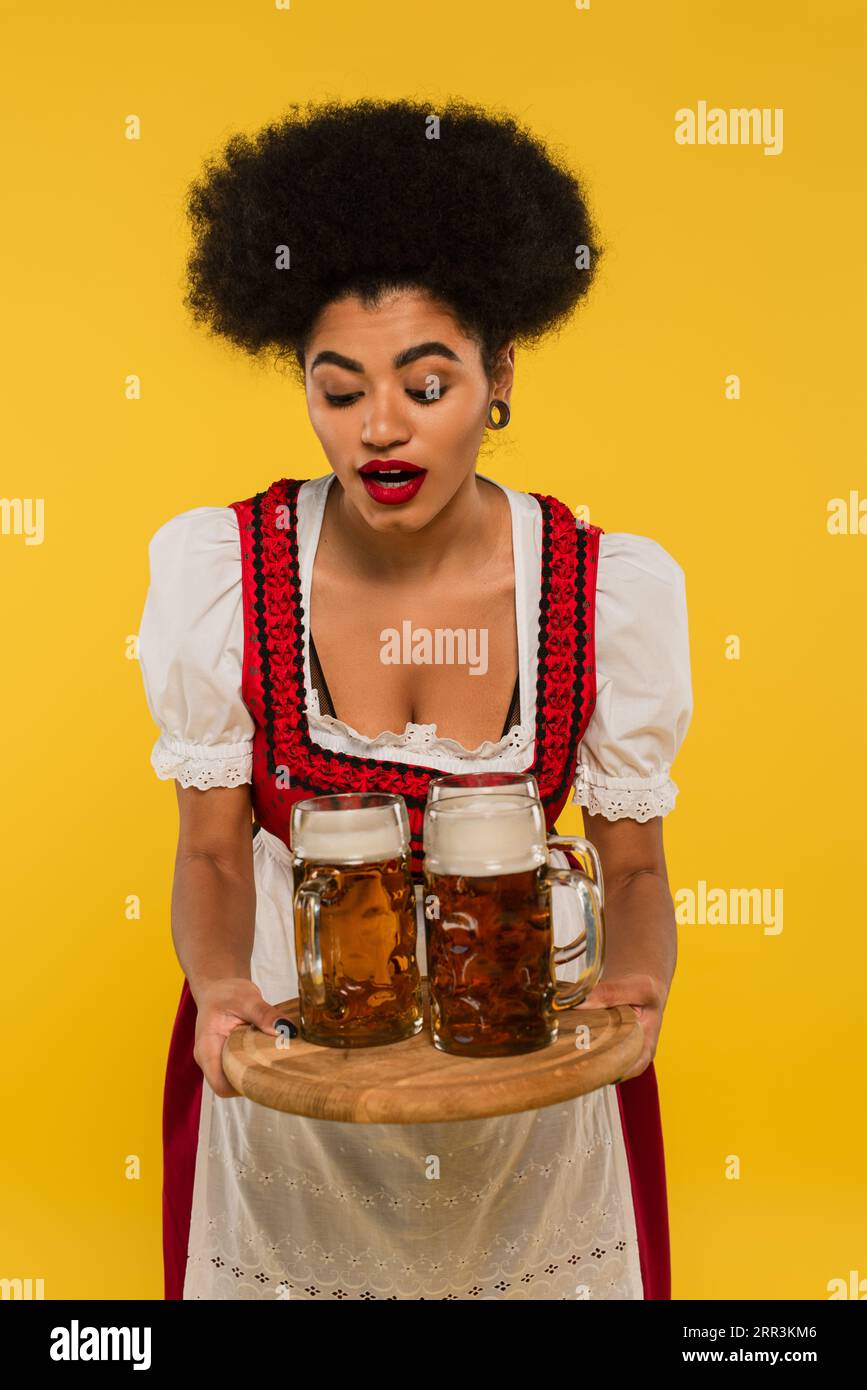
<point>191,649</point>
<point>643,682</point>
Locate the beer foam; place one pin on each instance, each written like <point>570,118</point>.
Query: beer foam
<point>480,836</point>
<point>503,790</point>
<point>361,835</point>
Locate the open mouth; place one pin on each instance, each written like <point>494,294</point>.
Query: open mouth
<point>392,482</point>
<point>393,477</point>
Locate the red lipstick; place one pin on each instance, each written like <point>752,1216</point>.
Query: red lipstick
<point>392,481</point>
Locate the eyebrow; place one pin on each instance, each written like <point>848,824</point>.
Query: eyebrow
<point>402,359</point>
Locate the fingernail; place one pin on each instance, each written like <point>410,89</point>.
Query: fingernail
<point>287,1025</point>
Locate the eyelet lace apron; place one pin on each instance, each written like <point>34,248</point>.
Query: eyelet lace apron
<point>568,1201</point>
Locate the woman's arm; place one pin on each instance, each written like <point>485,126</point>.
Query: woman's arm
<point>214,897</point>
<point>214,918</point>
<point>640,928</point>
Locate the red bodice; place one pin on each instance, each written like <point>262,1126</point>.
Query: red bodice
<point>288,765</point>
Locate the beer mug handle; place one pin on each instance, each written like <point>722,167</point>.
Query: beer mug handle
<point>308,905</point>
<point>583,847</point>
<point>592,937</point>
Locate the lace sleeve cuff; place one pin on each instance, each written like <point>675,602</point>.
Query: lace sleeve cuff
<point>639,798</point>
<point>203,765</point>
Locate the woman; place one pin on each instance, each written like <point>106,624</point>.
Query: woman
<point>395,258</point>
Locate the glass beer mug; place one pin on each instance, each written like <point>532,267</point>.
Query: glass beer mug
<point>490,931</point>
<point>521,784</point>
<point>355,920</point>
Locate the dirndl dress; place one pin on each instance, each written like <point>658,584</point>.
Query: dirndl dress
<point>567,1201</point>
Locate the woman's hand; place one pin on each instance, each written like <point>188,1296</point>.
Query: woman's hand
<point>647,997</point>
<point>224,1005</point>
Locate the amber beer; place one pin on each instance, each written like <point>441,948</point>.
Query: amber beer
<point>490,930</point>
<point>355,920</point>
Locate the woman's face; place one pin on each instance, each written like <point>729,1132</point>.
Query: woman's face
<point>399,385</point>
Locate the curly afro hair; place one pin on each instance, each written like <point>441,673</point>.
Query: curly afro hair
<point>370,196</point>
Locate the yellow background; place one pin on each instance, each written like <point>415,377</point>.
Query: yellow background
<point>721,260</point>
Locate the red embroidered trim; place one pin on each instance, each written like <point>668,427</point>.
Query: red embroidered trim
<point>273,675</point>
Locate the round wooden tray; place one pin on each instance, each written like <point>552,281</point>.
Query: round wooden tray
<point>413,1082</point>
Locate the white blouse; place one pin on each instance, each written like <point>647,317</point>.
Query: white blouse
<point>191,646</point>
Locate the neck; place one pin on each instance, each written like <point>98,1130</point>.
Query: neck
<point>463,537</point>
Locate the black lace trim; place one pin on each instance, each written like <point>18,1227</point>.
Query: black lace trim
<point>513,715</point>
<point>320,684</point>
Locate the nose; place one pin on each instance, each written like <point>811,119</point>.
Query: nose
<point>385,420</point>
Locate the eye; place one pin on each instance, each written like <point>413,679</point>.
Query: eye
<point>420,397</point>
<point>424,399</point>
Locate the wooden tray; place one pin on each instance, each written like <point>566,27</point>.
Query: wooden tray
<point>412,1082</point>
